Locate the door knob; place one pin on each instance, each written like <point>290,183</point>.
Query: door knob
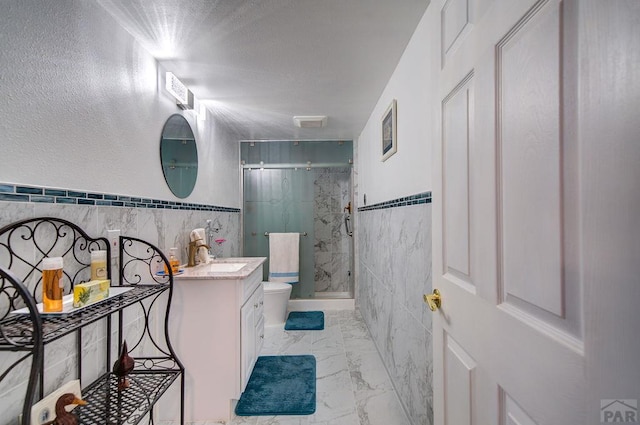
<point>433,300</point>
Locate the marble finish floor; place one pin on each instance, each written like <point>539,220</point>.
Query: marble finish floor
<point>352,386</point>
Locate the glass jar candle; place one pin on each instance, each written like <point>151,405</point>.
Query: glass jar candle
<point>52,284</point>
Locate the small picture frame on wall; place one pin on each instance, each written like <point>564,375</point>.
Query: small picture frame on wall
<point>389,140</point>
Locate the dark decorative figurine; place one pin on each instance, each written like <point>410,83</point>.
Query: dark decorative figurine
<point>122,367</point>
<point>62,416</point>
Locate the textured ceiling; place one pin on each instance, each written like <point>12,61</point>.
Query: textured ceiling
<point>257,63</point>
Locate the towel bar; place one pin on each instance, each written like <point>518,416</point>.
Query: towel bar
<point>301,234</point>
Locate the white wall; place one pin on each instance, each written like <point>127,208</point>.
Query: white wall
<point>82,108</point>
<point>414,86</point>
<point>393,243</point>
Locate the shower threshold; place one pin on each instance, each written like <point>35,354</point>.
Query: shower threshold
<point>321,304</point>
<point>332,295</point>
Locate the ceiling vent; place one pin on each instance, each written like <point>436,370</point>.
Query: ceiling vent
<point>315,121</point>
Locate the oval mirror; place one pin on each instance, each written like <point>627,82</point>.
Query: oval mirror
<point>179,156</point>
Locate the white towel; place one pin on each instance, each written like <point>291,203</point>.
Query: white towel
<point>284,257</point>
<point>197,236</point>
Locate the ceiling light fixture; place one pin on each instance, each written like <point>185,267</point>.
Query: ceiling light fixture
<point>310,121</point>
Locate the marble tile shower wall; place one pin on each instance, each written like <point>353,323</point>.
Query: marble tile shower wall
<point>394,272</point>
<point>163,228</point>
<point>332,248</point>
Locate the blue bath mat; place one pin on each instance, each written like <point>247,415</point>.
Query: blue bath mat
<point>280,385</point>
<point>305,321</point>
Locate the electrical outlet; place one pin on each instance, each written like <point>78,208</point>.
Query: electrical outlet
<point>45,410</point>
<point>114,241</point>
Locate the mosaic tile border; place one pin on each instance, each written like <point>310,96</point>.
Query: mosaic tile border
<point>23,193</point>
<point>420,198</point>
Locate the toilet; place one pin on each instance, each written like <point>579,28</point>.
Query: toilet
<point>276,298</point>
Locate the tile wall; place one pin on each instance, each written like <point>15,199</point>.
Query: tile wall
<point>333,251</point>
<point>394,271</point>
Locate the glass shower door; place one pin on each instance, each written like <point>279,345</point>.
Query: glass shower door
<point>303,187</point>
<point>280,200</point>
<point>305,201</point>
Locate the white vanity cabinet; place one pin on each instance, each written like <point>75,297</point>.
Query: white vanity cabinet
<point>252,333</point>
<point>218,326</point>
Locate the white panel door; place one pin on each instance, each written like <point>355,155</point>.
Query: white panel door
<point>536,208</point>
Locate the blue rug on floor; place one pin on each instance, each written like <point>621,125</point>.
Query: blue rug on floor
<point>305,321</point>
<point>280,385</point>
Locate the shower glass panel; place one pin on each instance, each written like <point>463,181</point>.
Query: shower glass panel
<point>303,187</point>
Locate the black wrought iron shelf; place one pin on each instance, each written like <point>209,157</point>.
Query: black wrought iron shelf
<point>31,332</point>
<point>107,405</point>
<point>18,327</point>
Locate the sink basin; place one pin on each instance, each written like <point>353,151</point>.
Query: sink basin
<point>225,267</point>
<point>231,268</point>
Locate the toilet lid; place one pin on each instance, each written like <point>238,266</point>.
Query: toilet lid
<point>276,286</point>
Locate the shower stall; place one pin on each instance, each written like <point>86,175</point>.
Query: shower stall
<point>303,187</point>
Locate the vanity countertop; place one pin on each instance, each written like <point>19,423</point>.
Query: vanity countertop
<point>222,269</point>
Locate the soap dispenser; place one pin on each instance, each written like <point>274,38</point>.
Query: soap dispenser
<point>174,263</point>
